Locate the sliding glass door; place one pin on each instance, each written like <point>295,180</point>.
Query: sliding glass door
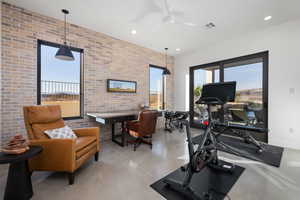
<point>248,106</point>
<point>251,103</point>
<point>201,77</point>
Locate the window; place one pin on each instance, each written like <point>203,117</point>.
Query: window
<point>156,96</point>
<point>203,76</point>
<point>251,103</point>
<point>59,81</point>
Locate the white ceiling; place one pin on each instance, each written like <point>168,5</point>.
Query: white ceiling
<point>118,17</point>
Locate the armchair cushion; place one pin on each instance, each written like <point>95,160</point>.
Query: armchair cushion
<point>133,128</point>
<point>40,128</point>
<point>91,131</point>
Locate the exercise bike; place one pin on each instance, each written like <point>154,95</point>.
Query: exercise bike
<point>206,154</point>
<point>173,120</point>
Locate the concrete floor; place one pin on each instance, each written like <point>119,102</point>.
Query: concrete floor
<point>124,174</point>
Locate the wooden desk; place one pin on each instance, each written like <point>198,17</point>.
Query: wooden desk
<point>117,117</point>
<point>113,118</point>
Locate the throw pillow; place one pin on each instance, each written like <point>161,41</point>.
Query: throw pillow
<point>64,132</point>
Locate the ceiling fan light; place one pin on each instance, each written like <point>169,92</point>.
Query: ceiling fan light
<point>64,53</point>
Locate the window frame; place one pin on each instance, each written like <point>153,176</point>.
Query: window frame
<point>265,57</point>
<point>163,84</point>
<point>81,93</point>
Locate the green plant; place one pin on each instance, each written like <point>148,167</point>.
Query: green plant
<point>197,91</point>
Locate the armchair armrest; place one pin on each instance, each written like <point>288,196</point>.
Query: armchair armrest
<point>57,155</point>
<point>132,122</point>
<point>133,125</point>
<point>92,131</point>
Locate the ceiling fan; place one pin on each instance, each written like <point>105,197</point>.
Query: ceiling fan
<point>163,8</point>
<point>174,17</point>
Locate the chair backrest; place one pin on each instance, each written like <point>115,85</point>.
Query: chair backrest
<point>147,120</point>
<point>40,118</point>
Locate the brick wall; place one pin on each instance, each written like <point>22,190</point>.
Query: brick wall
<point>104,57</point>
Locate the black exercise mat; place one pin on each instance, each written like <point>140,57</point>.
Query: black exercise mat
<point>271,156</point>
<point>217,183</point>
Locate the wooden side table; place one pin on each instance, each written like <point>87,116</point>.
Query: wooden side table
<point>19,186</point>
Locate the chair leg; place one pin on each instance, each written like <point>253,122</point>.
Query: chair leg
<point>137,143</point>
<point>96,156</point>
<point>148,140</point>
<point>71,177</point>
<point>134,146</point>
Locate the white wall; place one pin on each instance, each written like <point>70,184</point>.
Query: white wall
<point>0,74</point>
<point>283,43</point>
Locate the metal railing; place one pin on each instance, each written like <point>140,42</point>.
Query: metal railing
<point>59,91</point>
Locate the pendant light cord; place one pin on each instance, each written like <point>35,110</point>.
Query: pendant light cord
<point>166,58</point>
<point>65,29</point>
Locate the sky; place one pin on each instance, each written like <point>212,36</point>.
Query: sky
<point>246,76</point>
<point>54,69</point>
<point>155,78</point>
<point>122,84</point>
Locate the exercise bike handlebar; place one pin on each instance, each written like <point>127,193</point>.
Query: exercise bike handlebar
<point>210,101</point>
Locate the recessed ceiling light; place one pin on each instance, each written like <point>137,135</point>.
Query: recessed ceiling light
<point>133,32</point>
<point>267,18</point>
<point>178,49</point>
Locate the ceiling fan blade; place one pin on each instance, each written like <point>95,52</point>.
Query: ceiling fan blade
<point>171,14</point>
<point>148,8</point>
<point>168,19</point>
<point>177,13</point>
<point>190,24</point>
<point>167,6</point>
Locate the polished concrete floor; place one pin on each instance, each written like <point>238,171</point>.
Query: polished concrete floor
<point>124,174</point>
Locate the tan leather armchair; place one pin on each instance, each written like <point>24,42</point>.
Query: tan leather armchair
<point>65,155</point>
<point>143,128</point>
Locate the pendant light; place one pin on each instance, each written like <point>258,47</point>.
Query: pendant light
<point>64,52</point>
<point>166,71</point>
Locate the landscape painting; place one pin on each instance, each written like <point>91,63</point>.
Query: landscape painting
<point>121,86</point>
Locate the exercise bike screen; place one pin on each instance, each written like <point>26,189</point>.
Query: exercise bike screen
<point>223,91</point>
